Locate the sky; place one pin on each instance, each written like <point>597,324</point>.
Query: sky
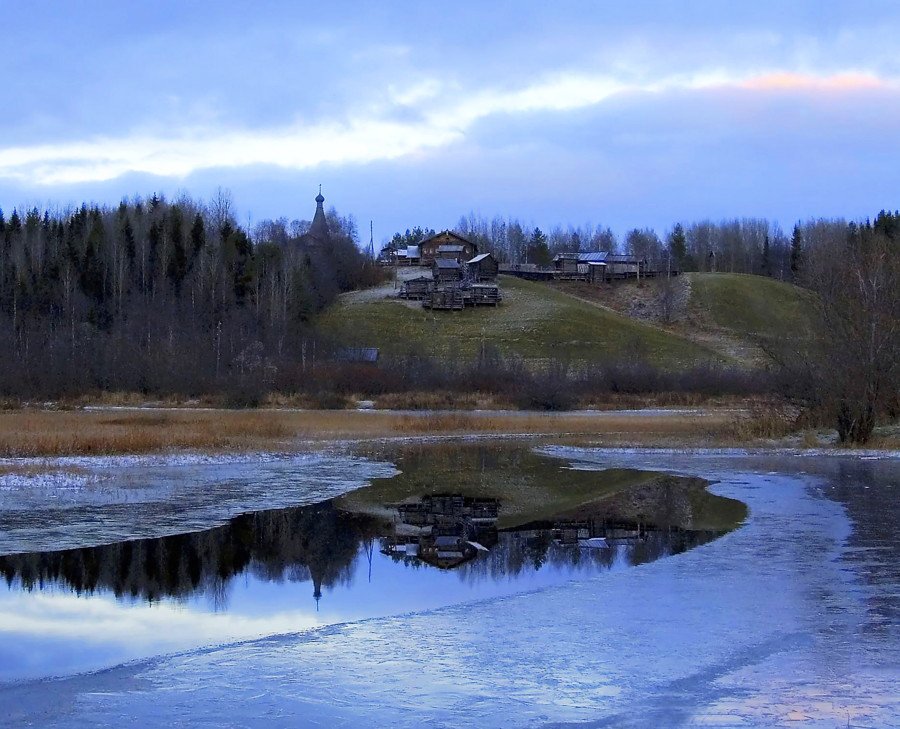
<point>626,114</point>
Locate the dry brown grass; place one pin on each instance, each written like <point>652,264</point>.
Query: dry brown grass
<point>47,433</point>
<point>439,400</point>
<point>106,432</point>
<point>761,421</point>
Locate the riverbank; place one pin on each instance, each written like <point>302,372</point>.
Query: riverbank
<point>99,431</point>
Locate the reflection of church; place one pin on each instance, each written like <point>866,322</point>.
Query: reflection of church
<point>443,530</point>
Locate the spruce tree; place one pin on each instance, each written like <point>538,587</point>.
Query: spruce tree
<point>198,235</point>
<point>796,251</point>
<point>678,245</point>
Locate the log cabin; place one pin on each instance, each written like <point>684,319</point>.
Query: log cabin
<point>455,247</point>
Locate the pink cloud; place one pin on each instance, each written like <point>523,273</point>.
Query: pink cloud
<point>837,83</point>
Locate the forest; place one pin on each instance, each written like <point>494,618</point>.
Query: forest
<point>160,296</point>
<point>175,298</point>
<point>741,245</point>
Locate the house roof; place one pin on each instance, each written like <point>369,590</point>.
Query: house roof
<point>450,233</point>
<point>593,257</point>
<point>479,258</point>
<point>596,257</point>
<point>451,249</point>
<point>446,263</point>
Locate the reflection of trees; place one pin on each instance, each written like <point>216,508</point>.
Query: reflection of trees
<point>518,552</point>
<point>316,543</point>
<point>319,544</point>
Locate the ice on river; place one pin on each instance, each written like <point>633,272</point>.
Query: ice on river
<point>791,619</point>
<point>80,502</point>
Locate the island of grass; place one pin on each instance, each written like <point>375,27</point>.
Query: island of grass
<point>534,488</point>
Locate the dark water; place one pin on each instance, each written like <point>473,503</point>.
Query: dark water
<point>287,570</point>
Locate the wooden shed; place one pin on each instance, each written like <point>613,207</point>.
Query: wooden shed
<point>445,270</point>
<point>483,267</point>
<point>417,288</point>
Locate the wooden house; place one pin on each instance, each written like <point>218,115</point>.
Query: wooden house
<point>598,266</point>
<point>566,263</point>
<point>623,266</point>
<point>483,267</point>
<point>446,245</point>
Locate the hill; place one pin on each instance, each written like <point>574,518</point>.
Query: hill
<point>536,322</point>
<point>737,315</point>
<point>751,307</point>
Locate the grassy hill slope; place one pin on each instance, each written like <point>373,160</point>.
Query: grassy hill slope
<point>535,322</point>
<point>752,307</point>
<point>736,315</point>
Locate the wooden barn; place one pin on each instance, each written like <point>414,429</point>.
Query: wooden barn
<point>598,266</point>
<point>566,265</point>
<point>483,267</point>
<point>446,245</point>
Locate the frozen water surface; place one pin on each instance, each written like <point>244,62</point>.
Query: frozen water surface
<point>789,620</point>
<point>76,502</point>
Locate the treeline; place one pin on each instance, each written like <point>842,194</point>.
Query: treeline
<point>159,296</point>
<point>741,245</point>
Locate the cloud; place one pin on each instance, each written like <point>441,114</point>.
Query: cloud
<point>444,115</point>
<point>841,82</point>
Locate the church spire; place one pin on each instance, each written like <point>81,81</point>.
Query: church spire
<point>319,227</point>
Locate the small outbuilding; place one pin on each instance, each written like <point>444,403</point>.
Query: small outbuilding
<point>483,267</point>
<point>445,270</point>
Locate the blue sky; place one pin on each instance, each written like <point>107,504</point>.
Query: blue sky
<point>621,114</point>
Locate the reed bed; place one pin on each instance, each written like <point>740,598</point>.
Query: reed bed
<point>31,433</point>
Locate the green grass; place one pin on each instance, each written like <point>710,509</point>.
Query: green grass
<point>751,307</point>
<point>534,322</point>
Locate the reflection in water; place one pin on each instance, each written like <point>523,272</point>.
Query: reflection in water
<point>321,544</point>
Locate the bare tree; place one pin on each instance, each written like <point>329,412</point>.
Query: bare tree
<point>859,339</point>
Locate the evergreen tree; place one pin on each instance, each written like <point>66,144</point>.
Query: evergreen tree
<point>766,258</point>
<point>538,250</point>
<point>796,251</point>
<point>678,245</point>
<point>198,235</point>
<point>177,263</point>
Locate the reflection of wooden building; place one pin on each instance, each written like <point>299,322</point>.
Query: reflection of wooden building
<point>446,551</point>
<point>447,245</point>
<point>444,530</point>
